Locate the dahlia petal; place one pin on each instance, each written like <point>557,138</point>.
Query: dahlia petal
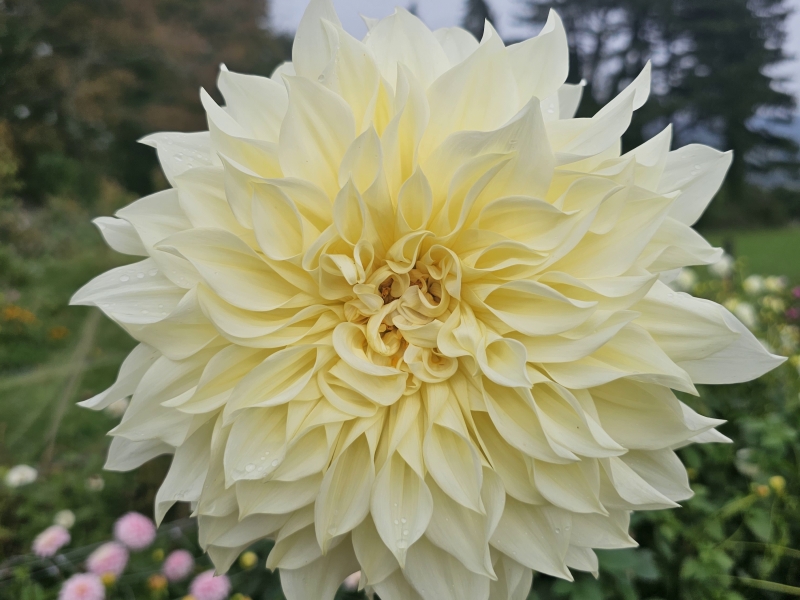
<point>536,537</point>
<point>321,578</point>
<point>576,139</point>
<point>401,506</point>
<point>478,94</point>
<point>276,497</point>
<point>257,102</point>
<point>130,374</point>
<point>179,152</point>
<point>318,128</point>
<point>344,495</point>
<point>632,489</point>
<point>602,532</point>
<point>697,183</point>
<point>125,455</point>
<point>251,285</point>
<point>436,575</point>
<point>120,236</point>
<point>186,475</point>
<point>457,43</point>
<point>663,470</point>
<point>582,559</point>
<point>278,226</point>
<point>569,98</point>
<point>461,532</point>
<point>353,74</point>
<point>135,294</point>
<point>453,462</point>
<point>574,487</point>
<point>541,64</point>
<point>376,560</point>
<point>404,38</point>
<point>180,334</point>
<point>513,579</point>
<point>396,587</point>
<point>743,360</point>
<point>311,50</point>
<point>405,130</point>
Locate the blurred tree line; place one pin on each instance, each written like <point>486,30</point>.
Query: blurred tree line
<point>82,80</point>
<point>711,79</point>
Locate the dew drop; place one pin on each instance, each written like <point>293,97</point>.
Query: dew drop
<point>396,522</point>
<point>321,78</point>
<point>405,531</point>
<point>558,530</point>
<point>124,278</point>
<point>401,543</point>
<point>140,275</point>
<point>250,468</point>
<point>145,311</point>
<point>152,272</point>
<point>179,156</point>
<point>404,520</point>
<point>160,306</point>
<point>275,463</point>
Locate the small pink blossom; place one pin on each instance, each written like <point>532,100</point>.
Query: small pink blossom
<point>793,314</point>
<point>108,558</point>
<point>50,541</point>
<point>83,586</point>
<point>178,566</point>
<point>351,581</point>
<point>796,292</point>
<point>207,587</point>
<point>135,530</point>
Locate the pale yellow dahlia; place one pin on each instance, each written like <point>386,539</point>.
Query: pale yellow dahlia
<point>403,314</point>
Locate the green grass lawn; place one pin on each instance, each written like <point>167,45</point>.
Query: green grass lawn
<point>765,251</point>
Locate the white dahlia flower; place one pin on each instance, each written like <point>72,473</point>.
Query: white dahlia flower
<point>403,314</point>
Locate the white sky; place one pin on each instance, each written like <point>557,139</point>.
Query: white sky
<point>441,13</point>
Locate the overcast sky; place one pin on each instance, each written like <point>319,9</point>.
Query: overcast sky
<point>441,13</point>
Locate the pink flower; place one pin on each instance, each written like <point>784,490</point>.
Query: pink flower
<point>135,530</point>
<point>50,541</point>
<point>207,587</point>
<point>178,566</point>
<point>108,558</point>
<point>83,586</point>
<point>796,292</point>
<point>351,581</point>
<point>793,314</point>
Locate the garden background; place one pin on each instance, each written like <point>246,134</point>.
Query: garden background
<point>82,80</point>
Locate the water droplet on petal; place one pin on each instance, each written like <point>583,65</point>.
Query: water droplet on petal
<point>396,522</point>
<point>152,272</point>
<point>140,275</point>
<point>404,520</point>
<point>179,157</point>
<point>249,468</point>
<point>401,543</point>
<point>275,462</point>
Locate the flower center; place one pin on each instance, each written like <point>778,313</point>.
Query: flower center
<point>401,313</point>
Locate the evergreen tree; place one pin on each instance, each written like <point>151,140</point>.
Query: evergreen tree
<point>710,63</point>
<point>475,17</point>
<point>83,80</point>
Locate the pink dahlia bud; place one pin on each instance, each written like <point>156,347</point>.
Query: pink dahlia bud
<point>83,586</point>
<point>207,587</point>
<point>50,541</point>
<point>178,566</point>
<point>135,530</point>
<point>109,558</point>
